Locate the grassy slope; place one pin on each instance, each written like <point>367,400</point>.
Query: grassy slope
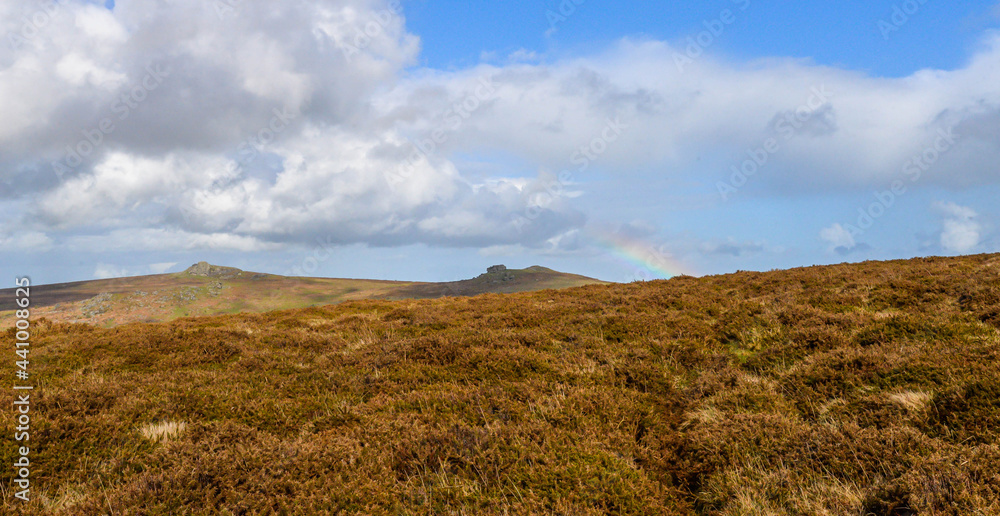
<point>166,297</point>
<point>856,389</point>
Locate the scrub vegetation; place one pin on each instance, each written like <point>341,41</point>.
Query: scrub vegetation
<point>860,389</point>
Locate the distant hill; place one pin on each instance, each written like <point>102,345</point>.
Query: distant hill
<point>206,289</point>
<point>870,388</point>
<point>502,282</point>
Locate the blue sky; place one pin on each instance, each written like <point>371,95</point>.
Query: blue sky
<point>599,138</point>
<point>845,34</point>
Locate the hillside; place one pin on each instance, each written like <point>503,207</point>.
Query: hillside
<point>205,289</point>
<point>506,282</point>
<point>871,388</point>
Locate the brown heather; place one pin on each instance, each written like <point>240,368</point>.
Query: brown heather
<point>854,389</point>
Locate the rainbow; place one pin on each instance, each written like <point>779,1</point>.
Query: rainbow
<point>636,253</point>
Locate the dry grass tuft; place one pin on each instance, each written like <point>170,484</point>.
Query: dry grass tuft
<point>914,401</point>
<point>67,498</point>
<point>163,431</point>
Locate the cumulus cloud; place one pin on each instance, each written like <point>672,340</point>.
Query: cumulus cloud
<point>859,130</point>
<point>367,150</point>
<point>27,241</point>
<point>108,271</point>
<point>164,240</point>
<point>222,73</point>
<point>838,237</point>
<point>961,230</point>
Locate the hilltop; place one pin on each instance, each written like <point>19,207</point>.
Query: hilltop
<point>206,289</point>
<point>870,388</point>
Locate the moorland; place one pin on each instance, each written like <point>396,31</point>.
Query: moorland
<point>870,388</point>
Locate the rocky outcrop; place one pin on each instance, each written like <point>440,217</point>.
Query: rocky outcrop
<point>213,271</point>
<point>497,274</point>
<point>97,305</point>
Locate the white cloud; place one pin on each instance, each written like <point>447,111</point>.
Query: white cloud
<point>108,271</point>
<point>226,72</point>
<point>961,232</point>
<point>167,177</point>
<point>166,240</point>
<point>80,71</point>
<point>27,241</point>
<point>838,237</point>
<point>121,182</point>
<point>160,268</point>
<point>100,24</point>
<point>952,210</point>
